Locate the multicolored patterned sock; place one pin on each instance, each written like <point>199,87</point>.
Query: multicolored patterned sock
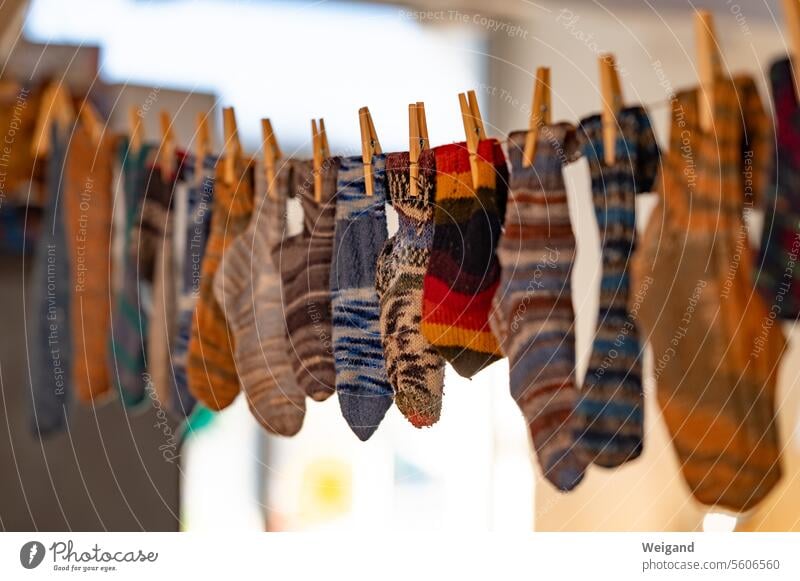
<point>250,287</point>
<point>533,313</point>
<point>778,274</point>
<point>51,346</point>
<point>161,326</point>
<point>463,271</point>
<point>365,394</point>
<point>304,262</point>
<point>211,368</point>
<point>199,200</point>
<point>415,369</point>
<point>611,407</point>
<point>129,317</point>
<point>88,222</point>
<point>149,241</point>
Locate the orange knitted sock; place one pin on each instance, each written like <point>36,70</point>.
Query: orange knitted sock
<point>88,217</point>
<point>211,369</point>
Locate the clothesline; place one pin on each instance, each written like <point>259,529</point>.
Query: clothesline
<point>479,270</point>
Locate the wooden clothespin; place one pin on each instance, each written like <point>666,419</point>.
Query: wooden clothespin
<point>56,107</point>
<point>709,66</point>
<point>417,142</point>
<point>321,153</point>
<point>134,129</point>
<point>422,124</point>
<point>611,91</point>
<point>233,147</point>
<point>272,153</point>
<point>473,129</point>
<point>90,119</point>
<point>369,146</point>
<point>65,107</point>
<point>540,114</point>
<point>41,143</point>
<point>326,150</point>
<point>166,150</point>
<point>476,114</point>
<point>791,11</point>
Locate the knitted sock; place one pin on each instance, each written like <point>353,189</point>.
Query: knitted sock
<point>778,273</point>
<point>198,199</point>
<point>533,306</point>
<point>250,287</point>
<point>365,394</point>
<point>211,368</point>
<point>715,346</point>
<point>51,348</point>
<point>463,271</point>
<point>415,369</point>
<point>88,220</point>
<point>304,262</point>
<point>611,408</point>
<point>129,318</point>
<point>162,320</point>
<point>148,242</point>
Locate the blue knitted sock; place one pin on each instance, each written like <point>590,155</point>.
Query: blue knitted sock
<point>51,347</point>
<point>198,200</point>
<point>361,382</point>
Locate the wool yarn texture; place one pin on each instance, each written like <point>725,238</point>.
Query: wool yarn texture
<point>414,367</point>
<point>362,385</point>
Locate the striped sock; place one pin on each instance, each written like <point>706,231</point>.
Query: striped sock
<point>199,200</point>
<point>365,394</point>
<point>611,408</point>
<point>533,306</point>
<point>304,262</point>
<point>211,368</point>
<point>163,321</point>
<point>716,348</point>
<point>415,369</point>
<point>151,241</point>
<point>88,221</point>
<point>129,318</point>
<point>463,272</point>
<point>250,287</point>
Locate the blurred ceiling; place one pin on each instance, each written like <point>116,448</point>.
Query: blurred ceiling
<point>12,11</point>
<point>525,8</point>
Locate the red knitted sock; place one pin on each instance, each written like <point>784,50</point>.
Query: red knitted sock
<point>463,272</point>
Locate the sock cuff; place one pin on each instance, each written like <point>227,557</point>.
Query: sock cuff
<point>417,208</point>
<point>318,217</point>
<point>352,199</point>
<point>452,158</point>
<point>275,207</point>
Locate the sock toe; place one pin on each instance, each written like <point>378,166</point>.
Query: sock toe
<point>364,413</point>
<point>567,471</point>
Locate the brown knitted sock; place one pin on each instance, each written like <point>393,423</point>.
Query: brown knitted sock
<point>304,262</point>
<point>250,286</point>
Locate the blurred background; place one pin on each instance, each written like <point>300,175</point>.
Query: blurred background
<point>294,60</point>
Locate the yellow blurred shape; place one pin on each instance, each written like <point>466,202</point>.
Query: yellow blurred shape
<point>326,490</point>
